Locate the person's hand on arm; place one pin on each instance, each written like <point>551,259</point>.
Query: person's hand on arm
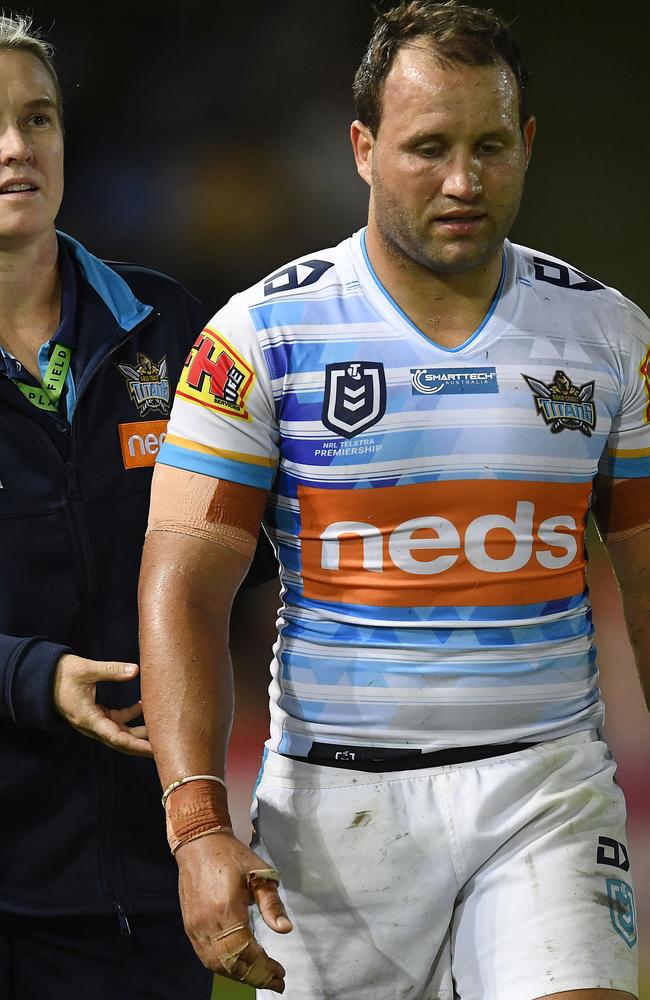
<point>43,686</point>
<point>200,542</point>
<point>74,693</point>
<point>622,510</point>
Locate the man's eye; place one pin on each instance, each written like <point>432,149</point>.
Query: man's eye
<point>39,120</point>
<point>491,148</point>
<point>430,152</point>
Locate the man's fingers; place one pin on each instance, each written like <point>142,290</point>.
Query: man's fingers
<point>113,735</point>
<point>270,905</point>
<point>244,960</point>
<point>124,715</point>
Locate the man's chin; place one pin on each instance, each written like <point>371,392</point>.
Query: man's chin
<point>459,258</point>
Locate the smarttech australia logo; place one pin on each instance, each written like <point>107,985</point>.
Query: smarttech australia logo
<point>453,381</point>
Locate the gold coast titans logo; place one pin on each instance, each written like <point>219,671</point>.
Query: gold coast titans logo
<point>563,405</point>
<point>148,384</point>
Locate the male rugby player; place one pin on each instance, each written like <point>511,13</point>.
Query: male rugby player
<point>424,413</point>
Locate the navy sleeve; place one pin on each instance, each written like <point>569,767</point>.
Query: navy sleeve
<point>26,680</point>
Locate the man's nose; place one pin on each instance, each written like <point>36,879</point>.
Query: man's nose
<point>14,147</point>
<point>462,178</point>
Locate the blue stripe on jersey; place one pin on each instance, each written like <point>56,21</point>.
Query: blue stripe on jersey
<point>218,468</point>
<point>319,312</point>
<point>568,627</point>
<point>625,468</point>
<point>286,484</point>
<point>360,671</point>
<point>477,440</point>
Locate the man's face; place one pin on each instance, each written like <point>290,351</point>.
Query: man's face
<point>447,165</point>
<point>31,149</point>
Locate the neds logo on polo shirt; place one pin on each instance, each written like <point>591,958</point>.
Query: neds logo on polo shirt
<point>140,442</point>
<point>458,543</point>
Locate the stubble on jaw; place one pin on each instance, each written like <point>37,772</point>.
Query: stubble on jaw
<point>406,248</point>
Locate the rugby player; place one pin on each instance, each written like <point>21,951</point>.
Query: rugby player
<point>423,415</point>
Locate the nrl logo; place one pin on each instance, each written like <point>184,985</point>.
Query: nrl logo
<point>355,396</point>
<point>622,909</point>
<point>148,384</point>
<point>563,405</point>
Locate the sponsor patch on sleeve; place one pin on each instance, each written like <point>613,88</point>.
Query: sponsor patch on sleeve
<point>645,375</point>
<point>215,375</point>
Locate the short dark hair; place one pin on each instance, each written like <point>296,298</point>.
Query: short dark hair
<point>457,33</point>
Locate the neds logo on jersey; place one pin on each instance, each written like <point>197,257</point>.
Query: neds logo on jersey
<point>486,543</point>
<point>215,375</point>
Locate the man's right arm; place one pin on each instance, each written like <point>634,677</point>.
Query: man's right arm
<point>197,552</point>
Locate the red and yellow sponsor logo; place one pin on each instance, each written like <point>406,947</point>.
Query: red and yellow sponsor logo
<point>645,375</point>
<point>141,441</point>
<point>215,375</point>
<point>459,543</point>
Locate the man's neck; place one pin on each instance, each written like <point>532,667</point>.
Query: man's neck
<point>448,308</point>
<point>30,298</point>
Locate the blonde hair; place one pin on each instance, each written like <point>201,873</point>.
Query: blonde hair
<point>16,33</point>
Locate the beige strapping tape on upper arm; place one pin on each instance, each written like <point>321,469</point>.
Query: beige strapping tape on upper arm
<point>189,503</point>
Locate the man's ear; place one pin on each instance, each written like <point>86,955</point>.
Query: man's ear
<point>363,142</point>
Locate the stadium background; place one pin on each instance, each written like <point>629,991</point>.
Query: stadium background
<point>210,140</point>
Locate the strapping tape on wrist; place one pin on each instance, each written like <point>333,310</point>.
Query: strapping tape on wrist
<point>195,810</point>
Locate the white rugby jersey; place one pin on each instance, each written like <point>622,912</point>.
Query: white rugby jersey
<point>428,505</point>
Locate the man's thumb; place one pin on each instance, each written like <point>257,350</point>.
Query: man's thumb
<point>111,671</point>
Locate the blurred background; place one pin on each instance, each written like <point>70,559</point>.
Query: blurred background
<point>210,140</point>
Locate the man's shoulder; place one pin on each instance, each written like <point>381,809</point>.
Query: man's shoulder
<point>313,275</point>
<point>563,286</point>
<point>545,269</point>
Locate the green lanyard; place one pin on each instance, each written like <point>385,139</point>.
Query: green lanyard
<point>47,396</point>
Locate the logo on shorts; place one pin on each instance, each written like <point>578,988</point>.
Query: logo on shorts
<point>215,375</point>
<point>611,852</point>
<point>454,381</point>
<point>622,909</point>
<point>355,396</point>
<point>563,405</point>
<point>148,384</point>
<point>645,375</point>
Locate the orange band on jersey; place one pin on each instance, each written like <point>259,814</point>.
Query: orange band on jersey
<point>193,504</point>
<point>622,507</point>
<point>458,543</point>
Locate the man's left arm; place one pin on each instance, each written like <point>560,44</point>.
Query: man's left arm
<point>622,512</point>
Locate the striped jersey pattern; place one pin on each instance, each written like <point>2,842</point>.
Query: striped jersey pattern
<point>428,506</point>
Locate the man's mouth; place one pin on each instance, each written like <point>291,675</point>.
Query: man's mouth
<point>460,223</point>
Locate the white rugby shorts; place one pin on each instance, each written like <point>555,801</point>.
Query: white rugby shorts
<point>501,879</point>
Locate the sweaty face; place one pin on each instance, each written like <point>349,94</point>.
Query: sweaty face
<point>31,149</point>
<point>448,162</point>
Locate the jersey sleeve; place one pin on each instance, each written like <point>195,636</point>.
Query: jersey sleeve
<point>223,420</point>
<point>627,455</point>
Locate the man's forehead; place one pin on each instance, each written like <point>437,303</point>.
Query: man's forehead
<point>419,74</point>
